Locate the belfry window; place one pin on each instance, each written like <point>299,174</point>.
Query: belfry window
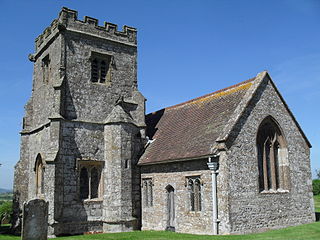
<point>194,188</point>
<point>147,186</point>
<point>100,68</point>
<point>90,181</point>
<point>39,169</point>
<point>272,157</point>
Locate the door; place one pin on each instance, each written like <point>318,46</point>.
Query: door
<point>170,209</point>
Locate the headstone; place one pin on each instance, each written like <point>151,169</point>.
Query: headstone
<point>35,220</point>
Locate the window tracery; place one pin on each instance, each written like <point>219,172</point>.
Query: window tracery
<point>194,188</point>
<point>272,157</point>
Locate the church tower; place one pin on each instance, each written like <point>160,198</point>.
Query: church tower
<point>84,128</point>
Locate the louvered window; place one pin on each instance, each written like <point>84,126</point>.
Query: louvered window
<point>101,68</point>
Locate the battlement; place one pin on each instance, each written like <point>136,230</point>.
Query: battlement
<point>68,20</point>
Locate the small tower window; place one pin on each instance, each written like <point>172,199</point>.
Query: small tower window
<point>94,183</point>
<point>100,68</point>
<point>90,180</point>
<point>45,69</point>
<point>84,183</point>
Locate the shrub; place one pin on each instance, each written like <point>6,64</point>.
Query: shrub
<point>5,211</point>
<point>316,186</point>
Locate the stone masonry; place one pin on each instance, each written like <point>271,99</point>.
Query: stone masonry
<point>71,121</point>
<point>89,150</point>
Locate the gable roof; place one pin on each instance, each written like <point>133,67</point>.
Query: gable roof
<point>189,130</point>
<point>192,129</point>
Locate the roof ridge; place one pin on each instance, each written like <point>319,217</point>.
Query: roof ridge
<point>211,94</point>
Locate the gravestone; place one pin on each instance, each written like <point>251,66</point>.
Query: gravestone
<point>35,220</point>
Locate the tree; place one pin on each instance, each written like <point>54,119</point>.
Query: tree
<point>318,173</point>
<point>5,211</point>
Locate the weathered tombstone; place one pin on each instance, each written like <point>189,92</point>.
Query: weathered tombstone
<point>35,220</point>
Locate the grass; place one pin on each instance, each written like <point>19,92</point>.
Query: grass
<point>303,232</point>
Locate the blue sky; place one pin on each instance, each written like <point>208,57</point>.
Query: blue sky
<point>186,49</point>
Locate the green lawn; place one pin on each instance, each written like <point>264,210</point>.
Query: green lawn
<point>302,232</point>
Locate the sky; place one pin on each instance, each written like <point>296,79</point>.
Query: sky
<point>186,48</point>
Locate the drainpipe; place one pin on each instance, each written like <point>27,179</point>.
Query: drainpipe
<point>213,166</point>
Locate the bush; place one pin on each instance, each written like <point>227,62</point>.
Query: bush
<point>5,211</point>
<point>316,186</point>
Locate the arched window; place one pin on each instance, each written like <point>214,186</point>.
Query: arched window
<point>39,176</point>
<point>194,187</point>
<point>272,157</point>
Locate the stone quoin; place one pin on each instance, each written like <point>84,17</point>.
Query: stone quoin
<point>232,161</point>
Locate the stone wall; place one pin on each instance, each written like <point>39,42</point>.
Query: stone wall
<point>251,210</point>
<point>65,123</point>
<point>176,174</point>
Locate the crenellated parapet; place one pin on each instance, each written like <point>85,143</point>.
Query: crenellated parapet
<point>68,20</point>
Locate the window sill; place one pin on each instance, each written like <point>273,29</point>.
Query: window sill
<point>94,200</point>
<point>194,213</point>
<point>271,191</point>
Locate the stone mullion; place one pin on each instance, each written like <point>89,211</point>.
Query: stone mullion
<point>273,168</point>
<point>265,166</point>
<point>195,194</point>
<point>89,182</point>
<point>150,193</point>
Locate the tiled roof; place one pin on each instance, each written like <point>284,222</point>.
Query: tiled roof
<point>189,130</point>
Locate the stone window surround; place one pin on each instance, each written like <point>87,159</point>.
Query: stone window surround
<point>147,189</point>
<point>279,180</point>
<point>103,66</point>
<point>45,65</point>
<point>195,198</point>
<point>89,164</point>
<point>39,170</point>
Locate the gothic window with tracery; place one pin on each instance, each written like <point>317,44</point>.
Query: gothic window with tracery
<point>194,188</point>
<point>272,157</point>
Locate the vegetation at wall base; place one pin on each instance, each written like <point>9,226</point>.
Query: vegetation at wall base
<point>316,186</point>
<point>317,203</point>
<point>303,232</point>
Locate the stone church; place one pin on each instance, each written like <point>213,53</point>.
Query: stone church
<point>233,161</point>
